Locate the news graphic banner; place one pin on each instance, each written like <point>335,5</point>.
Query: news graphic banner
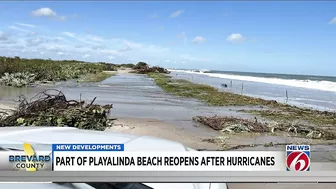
<point>114,163</point>
<point>106,157</point>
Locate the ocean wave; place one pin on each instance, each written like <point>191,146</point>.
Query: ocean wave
<point>192,71</point>
<point>318,85</point>
<point>105,86</point>
<point>204,71</point>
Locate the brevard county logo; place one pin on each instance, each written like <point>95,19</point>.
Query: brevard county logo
<point>30,161</point>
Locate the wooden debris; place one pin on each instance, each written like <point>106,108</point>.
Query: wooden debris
<point>51,108</point>
<point>238,125</point>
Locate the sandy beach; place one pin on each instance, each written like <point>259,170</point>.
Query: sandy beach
<point>142,108</point>
<point>160,129</point>
<point>251,79</point>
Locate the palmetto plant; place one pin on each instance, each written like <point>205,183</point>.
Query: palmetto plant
<point>18,79</point>
<point>22,72</point>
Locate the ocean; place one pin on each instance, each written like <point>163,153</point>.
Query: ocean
<point>317,92</point>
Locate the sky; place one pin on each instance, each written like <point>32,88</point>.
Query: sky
<point>272,37</point>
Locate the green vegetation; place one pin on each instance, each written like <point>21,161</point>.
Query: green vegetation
<point>22,72</point>
<point>129,65</point>
<point>213,97</point>
<point>51,108</point>
<point>141,65</point>
<point>205,93</point>
<point>114,67</point>
<point>144,68</point>
<point>294,113</point>
<point>18,79</point>
<point>95,77</point>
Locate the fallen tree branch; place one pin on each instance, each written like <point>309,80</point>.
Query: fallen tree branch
<point>51,108</point>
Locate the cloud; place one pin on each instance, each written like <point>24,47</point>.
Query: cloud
<point>176,13</point>
<point>199,39</point>
<point>44,12</point>
<point>69,34</point>
<point>89,39</point>
<point>19,29</point>
<point>96,47</point>
<point>235,37</point>
<point>81,46</point>
<point>95,38</point>
<point>26,25</point>
<point>47,12</point>
<point>36,41</point>
<point>3,36</point>
<point>58,39</point>
<point>333,21</point>
<point>132,45</point>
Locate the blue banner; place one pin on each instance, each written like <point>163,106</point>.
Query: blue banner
<point>87,147</point>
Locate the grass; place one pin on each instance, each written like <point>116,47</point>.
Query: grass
<point>95,77</point>
<point>214,97</point>
<point>205,93</point>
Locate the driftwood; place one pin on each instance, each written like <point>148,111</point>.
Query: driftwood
<point>51,108</point>
<point>231,124</point>
<point>238,125</point>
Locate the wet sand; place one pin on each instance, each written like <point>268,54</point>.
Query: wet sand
<point>321,151</point>
<point>142,108</point>
<point>168,131</point>
<point>298,96</point>
<point>160,129</point>
<point>138,102</point>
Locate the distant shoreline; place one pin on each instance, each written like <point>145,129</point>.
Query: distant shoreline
<point>151,112</point>
<point>214,97</point>
<point>316,83</point>
<point>266,74</point>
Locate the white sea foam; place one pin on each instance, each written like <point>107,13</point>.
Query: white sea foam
<point>105,86</point>
<point>203,70</point>
<point>318,85</point>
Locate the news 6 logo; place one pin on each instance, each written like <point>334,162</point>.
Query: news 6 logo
<point>298,157</point>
